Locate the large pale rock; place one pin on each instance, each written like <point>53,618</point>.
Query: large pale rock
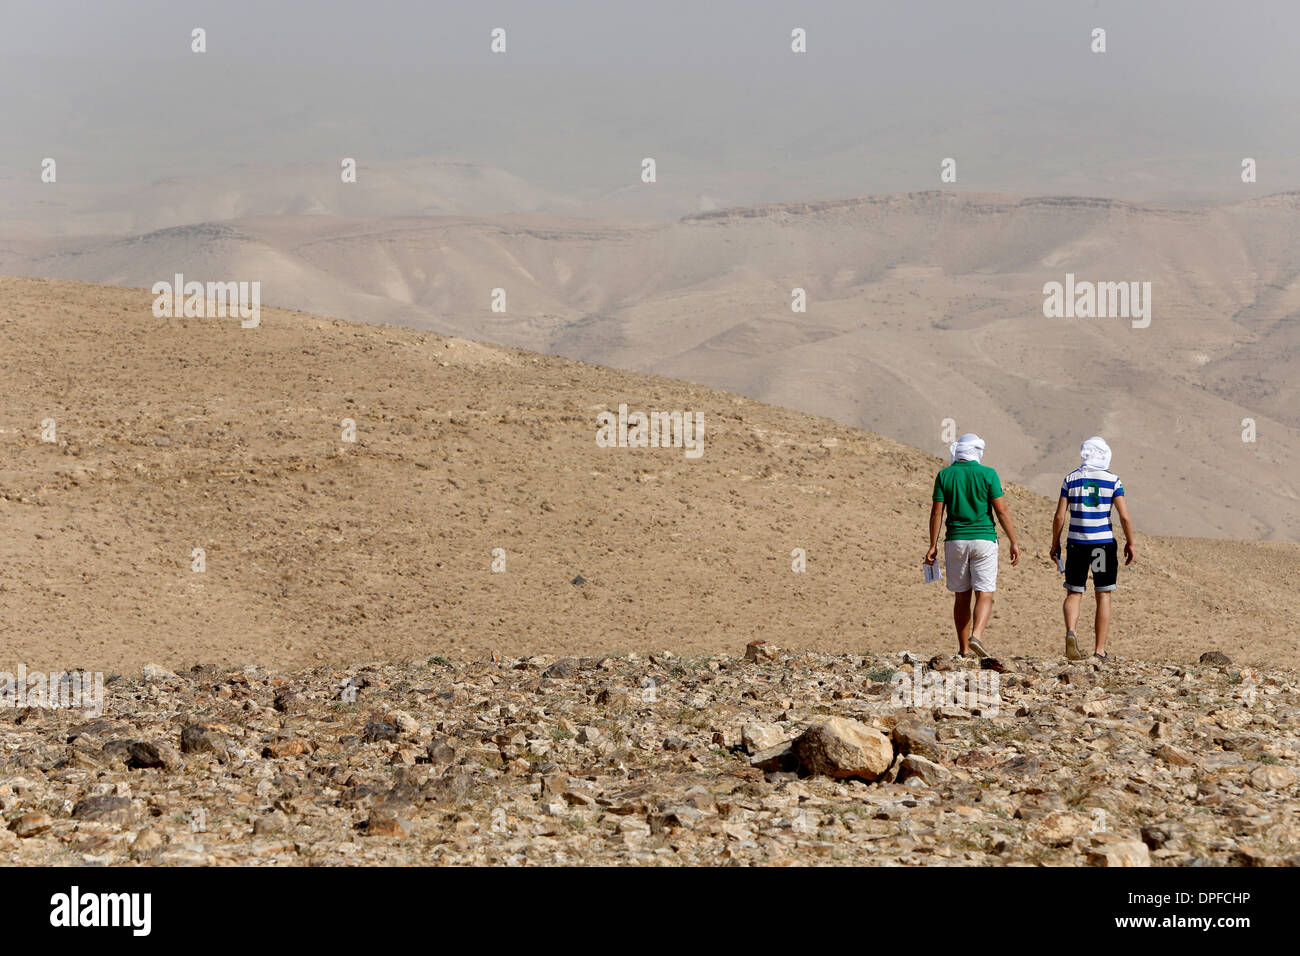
<point>762,736</point>
<point>1123,853</point>
<point>841,747</point>
<point>1271,777</point>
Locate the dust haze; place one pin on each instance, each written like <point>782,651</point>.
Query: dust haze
<point>775,171</point>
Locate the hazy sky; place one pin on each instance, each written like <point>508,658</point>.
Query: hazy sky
<point>1175,44</point>
<point>709,87</point>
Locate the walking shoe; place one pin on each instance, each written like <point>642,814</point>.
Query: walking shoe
<point>1072,651</point>
<point>979,648</point>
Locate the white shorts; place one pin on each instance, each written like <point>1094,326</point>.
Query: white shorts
<point>971,565</point>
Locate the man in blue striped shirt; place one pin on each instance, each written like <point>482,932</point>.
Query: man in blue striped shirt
<point>1088,495</point>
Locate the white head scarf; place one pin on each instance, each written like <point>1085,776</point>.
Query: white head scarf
<point>969,447</point>
<point>1095,453</point>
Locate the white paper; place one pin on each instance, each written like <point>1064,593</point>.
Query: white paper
<point>932,572</point>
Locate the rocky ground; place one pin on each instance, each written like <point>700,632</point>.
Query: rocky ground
<point>772,758</point>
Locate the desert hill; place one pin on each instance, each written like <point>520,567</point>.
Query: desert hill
<point>921,307</point>
<point>177,434</point>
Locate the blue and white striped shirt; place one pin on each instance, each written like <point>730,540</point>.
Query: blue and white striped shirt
<point>1090,492</point>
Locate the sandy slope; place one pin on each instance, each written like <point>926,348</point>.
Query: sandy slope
<point>185,433</point>
<point>921,308</point>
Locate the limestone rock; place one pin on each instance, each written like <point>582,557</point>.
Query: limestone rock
<point>1272,777</point>
<point>841,747</point>
<point>1125,853</point>
<point>762,736</point>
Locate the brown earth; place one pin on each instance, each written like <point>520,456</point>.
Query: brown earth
<point>176,434</point>
<point>924,313</point>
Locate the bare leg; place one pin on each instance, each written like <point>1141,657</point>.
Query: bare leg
<point>961,619</point>
<point>983,611</point>
<point>1103,620</point>
<point>1071,609</point>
